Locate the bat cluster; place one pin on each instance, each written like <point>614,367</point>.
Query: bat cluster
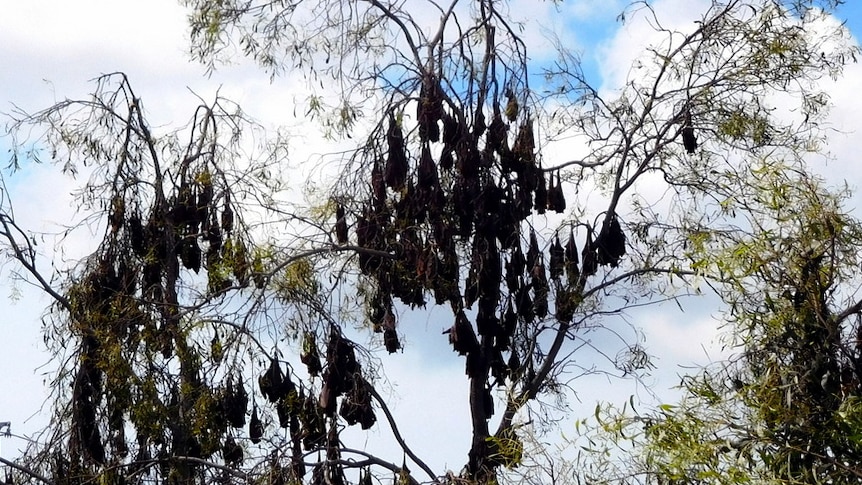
<point>126,302</point>
<point>306,417</point>
<point>301,414</point>
<point>105,315</point>
<point>194,225</point>
<point>486,182</point>
<point>234,402</point>
<point>86,395</point>
<point>422,221</point>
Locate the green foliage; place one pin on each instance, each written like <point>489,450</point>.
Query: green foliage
<point>739,126</point>
<point>298,280</point>
<point>785,409</point>
<point>451,206</point>
<point>508,450</point>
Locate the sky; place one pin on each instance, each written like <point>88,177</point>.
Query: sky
<point>51,50</point>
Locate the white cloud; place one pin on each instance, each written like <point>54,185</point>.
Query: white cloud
<point>621,52</point>
<point>428,401</point>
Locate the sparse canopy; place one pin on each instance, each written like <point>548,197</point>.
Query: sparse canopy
<point>187,318</point>
<point>785,407</point>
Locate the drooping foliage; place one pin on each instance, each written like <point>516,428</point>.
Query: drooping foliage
<point>159,325</point>
<point>183,318</point>
<point>785,406</point>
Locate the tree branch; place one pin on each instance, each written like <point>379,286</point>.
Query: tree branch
<point>28,261</point>
<point>396,433</point>
<point>25,471</point>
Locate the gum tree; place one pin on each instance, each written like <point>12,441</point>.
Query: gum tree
<point>788,404</point>
<point>453,196</point>
<point>145,328</point>
<point>785,407</point>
